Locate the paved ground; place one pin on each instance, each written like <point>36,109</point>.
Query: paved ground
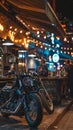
<point>17,123</point>
<point>66,123</point>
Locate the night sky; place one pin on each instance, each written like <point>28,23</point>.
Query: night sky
<point>65,7</point>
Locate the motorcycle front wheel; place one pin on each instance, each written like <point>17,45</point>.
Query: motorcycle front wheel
<point>33,112</point>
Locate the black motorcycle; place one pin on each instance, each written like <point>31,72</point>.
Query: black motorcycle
<point>22,103</point>
<point>34,83</point>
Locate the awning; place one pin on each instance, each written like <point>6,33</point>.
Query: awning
<point>37,13</point>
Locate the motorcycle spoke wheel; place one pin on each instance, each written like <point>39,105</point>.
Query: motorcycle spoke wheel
<point>47,103</point>
<point>32,106</point>
<point>34,112</point>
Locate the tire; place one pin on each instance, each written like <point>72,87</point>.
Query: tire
<point>47,103</point>
<point>33,117</point>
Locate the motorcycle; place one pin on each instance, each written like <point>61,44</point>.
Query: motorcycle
<point>22,103</point>
<point>33,83</point>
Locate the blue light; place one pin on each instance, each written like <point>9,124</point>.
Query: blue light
<point>31,45</point>
<point>55,57</point>
<point>51,67</point>
<point>21,56</point>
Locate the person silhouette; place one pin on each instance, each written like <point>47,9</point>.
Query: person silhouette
<point>43,69</point>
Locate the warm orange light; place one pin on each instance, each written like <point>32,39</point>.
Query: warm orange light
<point>25,43</point>
<point>71,53</point>
<point>1,27</point>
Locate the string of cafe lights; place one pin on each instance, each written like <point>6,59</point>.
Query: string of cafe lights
<point>25,41</point>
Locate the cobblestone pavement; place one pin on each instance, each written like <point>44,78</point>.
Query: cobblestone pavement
<point>17,123</point>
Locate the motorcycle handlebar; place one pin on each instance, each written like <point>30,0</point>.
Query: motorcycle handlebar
<point>33,74</point>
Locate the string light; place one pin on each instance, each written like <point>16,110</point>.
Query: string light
<point>1,27</point>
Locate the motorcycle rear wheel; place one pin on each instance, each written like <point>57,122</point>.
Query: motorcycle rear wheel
<point>47,103</point>
<point>34,111</point>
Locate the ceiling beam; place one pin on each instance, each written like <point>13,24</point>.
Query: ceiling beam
<point>54,19</point>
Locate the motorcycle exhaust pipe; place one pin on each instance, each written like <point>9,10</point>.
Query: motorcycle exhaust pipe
<point>11,112</point>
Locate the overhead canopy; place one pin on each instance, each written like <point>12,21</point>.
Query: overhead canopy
<point>36,13</point>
